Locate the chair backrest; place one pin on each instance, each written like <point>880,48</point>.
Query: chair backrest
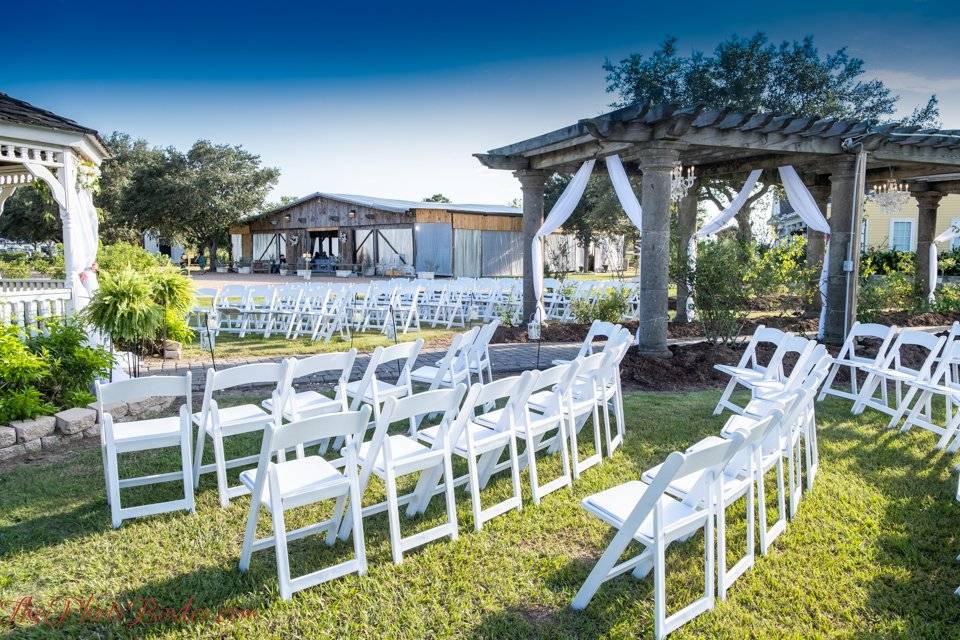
<point>340,361</point>
<point>762,334</point>
<point>346,424</point>
<point>205,297</point>
<point>407,351</point>
<point>598,329</point>
<point>515,390</point>
<point>244,374</point>
<point>932,343</point>
<point>861,330</point>
<point>709,461</point>
<point>233,295</point>
<point>135,389</point>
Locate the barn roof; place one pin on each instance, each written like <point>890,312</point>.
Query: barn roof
<point>397,206</point>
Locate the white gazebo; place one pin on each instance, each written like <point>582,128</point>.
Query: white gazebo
<point>36,144</point>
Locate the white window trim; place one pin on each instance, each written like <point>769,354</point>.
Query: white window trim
<point>913,232</point>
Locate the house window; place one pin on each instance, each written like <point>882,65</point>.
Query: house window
<point>901,235</point>
<point>955,243</point>
<point>863,235</point>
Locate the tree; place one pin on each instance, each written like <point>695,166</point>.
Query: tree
<point>197,195</point>
<point>437,197</point>
<point>31,214</point>
<point>751,74</point>
<point>128,155</point>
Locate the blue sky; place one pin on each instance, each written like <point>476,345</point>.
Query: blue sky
<point>392,98</point>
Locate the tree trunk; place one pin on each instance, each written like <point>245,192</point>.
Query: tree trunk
<point>213,255</point>
<point>744,230</point>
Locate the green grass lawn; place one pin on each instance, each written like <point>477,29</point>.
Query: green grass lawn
<point>871,553</point>
<point>231,346</point>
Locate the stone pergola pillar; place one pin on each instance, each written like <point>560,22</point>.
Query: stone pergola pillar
<point>532,183</point>
<point>656,162</point>
<point>928,202</point>
<point>816,240</point>
<point>843,233</point>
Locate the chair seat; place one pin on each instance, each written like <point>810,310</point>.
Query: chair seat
<point>297,476</point>
<point>384,390</point>
<point>540,401</point>
<point>893,374</point>
<point>306,404</point>
<point>740,372</point>
<point>478,432</point>
<point>429,374</point>
<point>614,506</point>
<point>142,430</point>
<point>233,416</point>
<point>492,418</point>
<point>401,448</point>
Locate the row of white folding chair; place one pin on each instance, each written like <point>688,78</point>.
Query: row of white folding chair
<point>672,500</point>
<point>765,379</point>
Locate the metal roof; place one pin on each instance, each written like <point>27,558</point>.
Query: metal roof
<point>397,206</point>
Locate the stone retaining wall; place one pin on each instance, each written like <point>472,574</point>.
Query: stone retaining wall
<point>47,433</point>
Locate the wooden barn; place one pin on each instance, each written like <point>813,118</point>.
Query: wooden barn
<point>384,236</point>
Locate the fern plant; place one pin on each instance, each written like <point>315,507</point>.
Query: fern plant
<point>125,309</point>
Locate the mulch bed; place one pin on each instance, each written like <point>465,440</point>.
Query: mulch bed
<point>576,332</point>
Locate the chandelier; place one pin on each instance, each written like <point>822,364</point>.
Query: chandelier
<point>681,179</point>
<point>890,195</point>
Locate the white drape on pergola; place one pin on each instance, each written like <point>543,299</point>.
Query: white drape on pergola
<point>797,194</point>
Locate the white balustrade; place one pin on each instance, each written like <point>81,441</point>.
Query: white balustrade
<point>27,303</point>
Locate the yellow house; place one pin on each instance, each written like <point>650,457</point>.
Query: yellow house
<point>882,230</point>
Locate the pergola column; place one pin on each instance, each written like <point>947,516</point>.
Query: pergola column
<point>815,240</point>
<point>656,162</point>
<point>532,184</point>
<point>928,202</point>
<point>843,235</point>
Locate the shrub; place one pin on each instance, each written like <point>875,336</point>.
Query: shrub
<point>781,269</point>
<point>115,257</point>
<point>609,307</point>
<point>20,371</point>
<point>15,269</point>
<point>719,289</point>
<point>73,365</point>
<point>892,292</point>
<point>124,308</point>
<point>947,299</point>
<point>886,262</point>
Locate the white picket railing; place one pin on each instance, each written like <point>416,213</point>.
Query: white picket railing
<point>26,303</point>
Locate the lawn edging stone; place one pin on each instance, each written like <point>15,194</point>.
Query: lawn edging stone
<point>76,420</point>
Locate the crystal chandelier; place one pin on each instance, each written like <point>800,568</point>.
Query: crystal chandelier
<point>890,195</point>
<point>681,179</point>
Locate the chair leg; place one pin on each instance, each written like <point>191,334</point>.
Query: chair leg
<point>280,548</point>
<point>660,586</point>
<point>450,497</point>
<point>198,454</point>
<point>474,491</point>
<point>220,460</point>
<point>250,534</point>
<point>356,512</point>
<point>185,456</point>
<point>113,487</point>
<point>393,516</point>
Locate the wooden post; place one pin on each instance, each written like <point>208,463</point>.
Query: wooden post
<point>532,183</point>
<point>816,241</point>
<point>686,225</point>
<point>928,202</point>
<point>656,162</point>
<point>844,236</point>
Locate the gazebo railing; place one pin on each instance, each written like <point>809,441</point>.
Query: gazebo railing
<point>26,303</point>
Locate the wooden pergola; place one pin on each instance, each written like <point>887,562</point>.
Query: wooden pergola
<point>652,139</point>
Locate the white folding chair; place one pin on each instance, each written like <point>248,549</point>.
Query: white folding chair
<point>894,369</point>
<point>391,456</point>
<point>483,446</point>
<point>218,423</point>
<point>231,304</point>
<point>310,402</point>
<point>774,380</point>
<point>647,514</point>
<point>583,405</point>
<point>204,304</point>
<point>609,390</point>
<point>942,383</point>
<point>142,435</point>
<point>479,355</point>
<point>282,486</point>
<point>849,358</point>
<point>255,316</point>
<point>285,309</point>
<point>749,367</point>
<point>738,480</point>
<point>543,426</point>
<point>453,368</point>
<point>372,389</point>
<point>598,329</point>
